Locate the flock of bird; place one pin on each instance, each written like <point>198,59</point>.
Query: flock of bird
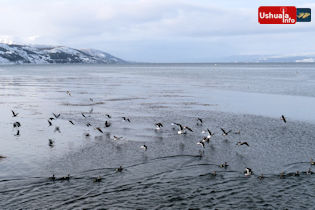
<point>182,130</point>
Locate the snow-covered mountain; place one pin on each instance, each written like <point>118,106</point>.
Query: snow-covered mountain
<point>20,54</point>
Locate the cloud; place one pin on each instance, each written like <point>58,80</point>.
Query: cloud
<point>115,24</point>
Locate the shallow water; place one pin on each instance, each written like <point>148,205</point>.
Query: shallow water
<point>249,98</point>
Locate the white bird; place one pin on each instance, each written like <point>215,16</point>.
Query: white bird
<point>144,147</point>
<point>248,172</point>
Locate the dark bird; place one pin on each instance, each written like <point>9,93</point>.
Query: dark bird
<point>242,143</point>
<point>14,114</point>
<point>88,124</point>
<point>51,118</point>
<point>282,175</point>
<point>144,147</point>
<point>91,99</point>
<point>87,135</point>
<point>224,132</point>
<point>248,172</point>
<point>97,179</point>
<point>297,173</point>
<point>120,169</point>
<point>99,129</point>
<point>107,115</point>
<point>56,115</point>
<point>158,126</point>
<point>16,124</point>
<point>210,134</point>
<point>182,128</point>
<point>237,132</point>
<point>51,143</point>
<point>261,177</point>
<point>107,124</point>
<point>52,178</point>
<point>83,115</point>
<point>309,171</point>
<point>49,123</point>
<point>224,165</point>
<point>201,143</point>
<point>91,110</point>
<point>68,92</point>
<point>116,138</point>
<point>206,139</point>
<point>283,119</point>
<point>2,157</point>
<point>214,173</point>
<point>199,121</point>
<point>71,122</point>
<point>65,178</point>
<point>126,119</point>
<point>57,129</point>
<point>17,133</point>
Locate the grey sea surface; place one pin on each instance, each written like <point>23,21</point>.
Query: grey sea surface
<point>174,172</point>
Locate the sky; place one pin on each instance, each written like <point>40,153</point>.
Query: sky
<point>157,30</point>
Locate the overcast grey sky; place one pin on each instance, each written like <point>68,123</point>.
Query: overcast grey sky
<point>156,30</point>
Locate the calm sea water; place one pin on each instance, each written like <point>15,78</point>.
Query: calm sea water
<point>174,172</point>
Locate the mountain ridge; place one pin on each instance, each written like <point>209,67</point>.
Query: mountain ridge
<point>46,54</point>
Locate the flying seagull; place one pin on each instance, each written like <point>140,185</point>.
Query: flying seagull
<point>17,133</point>
<point>242,143</point>
<point>16,124</point>
<point>56,115</point>
<point>14,114</point>
<point>210,134</point>
<point>144,147</point>
<point>107,115</point>
<point>283,119</point>
<point>126,119</point>
<point>51,142</point>
<point>68,92</point>
<point>99,129</point>
<point>57,129</point>
<point>83,115</point>
<point>201,143</point>
<point>224,132</point>
<point>158,126</point>
<point>70,121</point>
<point>199,121</point>
<point>117,138</point>
<point>248,172</point>
<point>49,123</point>
<point>107,124</point>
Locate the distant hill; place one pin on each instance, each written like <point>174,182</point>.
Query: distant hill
<point>26,54</point>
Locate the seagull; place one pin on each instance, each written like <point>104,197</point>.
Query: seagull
<point>312,162</point>
<point>57,129</point>
<point>144,147</point>
<point>71,122</point>
<point>51,142</point>
<point>88,124</point>
<point>261,177</point>
<point>199,121</point>
<point>51,118</point>
<point>210,134</point>
<point>68,92</point>
<point>283,119</point>
<point>52,178</point>
<point>91,99</point>
<point>242,143</point>
<point>120,169</point>
<point>56,115</point>
<point>107,124</point>
<point>205,139</point>
<point>248,172</point>
<point>49,123</point>
<point>182,128</point>
<point>14,114</point>
<point>126,119</point>
<point>117,138</point>
<point>224,132</point>
<point>17,133</point>
<point>16,124</point>
<point>201,143</point>
<point>97,179</point>
<point>83,115</point>
<point>224,165</point>
<point>107,115</point>
<point>100,130</point>
<point>158,126</point>
<point>65,177</point>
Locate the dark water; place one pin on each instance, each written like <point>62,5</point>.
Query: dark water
<point>174,172</point>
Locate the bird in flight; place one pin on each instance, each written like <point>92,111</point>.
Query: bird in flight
<point>14,114</point>
<point>242,143</point>
<point>283,119</point>
<point>225,133</point>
